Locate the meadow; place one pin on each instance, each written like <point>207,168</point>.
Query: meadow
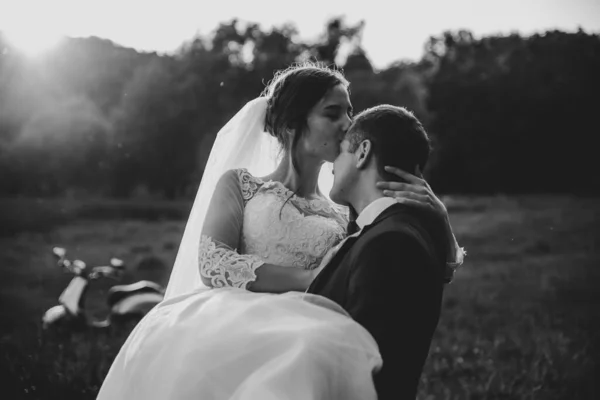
<point>521,320</point>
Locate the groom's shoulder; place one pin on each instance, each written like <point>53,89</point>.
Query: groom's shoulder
<point>402,219</point>
<point>420,226</point>
<point>406,225</point>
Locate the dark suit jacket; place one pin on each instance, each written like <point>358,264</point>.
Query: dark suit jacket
<point>390,280</point>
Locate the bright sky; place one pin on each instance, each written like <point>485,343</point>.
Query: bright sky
<point>395,29</point>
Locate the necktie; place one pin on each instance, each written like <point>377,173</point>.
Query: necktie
<point>352,228</point>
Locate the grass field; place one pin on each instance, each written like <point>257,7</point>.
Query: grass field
<point>520,321</point>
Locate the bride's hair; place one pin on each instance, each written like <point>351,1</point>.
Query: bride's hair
<point>291,94</point>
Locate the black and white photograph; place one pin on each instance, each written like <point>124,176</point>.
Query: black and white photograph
<point>299,200</point>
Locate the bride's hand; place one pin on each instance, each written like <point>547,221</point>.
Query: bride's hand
<point>416,192</point>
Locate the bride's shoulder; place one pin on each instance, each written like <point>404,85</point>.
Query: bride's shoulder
<point>341,212</point>
<point>247,182</point>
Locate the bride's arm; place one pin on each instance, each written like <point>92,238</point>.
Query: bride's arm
<point>276,279</point>
<point>220,266</point>
<point>219,261</point>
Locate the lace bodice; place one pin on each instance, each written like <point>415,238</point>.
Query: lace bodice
<point>277,227</point>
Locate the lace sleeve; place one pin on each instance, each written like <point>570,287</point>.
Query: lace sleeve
<point>219,262</point>
<point>221,266</point>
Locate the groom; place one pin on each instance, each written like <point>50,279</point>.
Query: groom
<point>389,275</point>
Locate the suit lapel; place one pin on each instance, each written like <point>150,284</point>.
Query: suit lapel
<point>333,263</point>
<point>391,210</point>
<point>337,258</point>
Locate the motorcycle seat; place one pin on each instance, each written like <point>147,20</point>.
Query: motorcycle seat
<point>119,292</point>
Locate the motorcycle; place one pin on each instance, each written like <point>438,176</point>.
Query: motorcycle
<point>126,303</point>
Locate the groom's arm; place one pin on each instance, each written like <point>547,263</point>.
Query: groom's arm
<point>394,294</point>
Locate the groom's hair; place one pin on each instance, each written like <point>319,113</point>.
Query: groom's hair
<point>397,137</point>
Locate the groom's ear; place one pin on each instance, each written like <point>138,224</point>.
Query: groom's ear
<point>363,154</point>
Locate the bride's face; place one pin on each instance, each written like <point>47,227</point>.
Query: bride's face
<point>327,123</point>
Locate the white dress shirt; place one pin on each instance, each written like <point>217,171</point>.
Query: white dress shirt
<point>366,217</point>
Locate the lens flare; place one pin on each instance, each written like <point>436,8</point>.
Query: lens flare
<point>32,42</point>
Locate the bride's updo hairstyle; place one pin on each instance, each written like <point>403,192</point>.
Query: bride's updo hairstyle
<point>291,94</point>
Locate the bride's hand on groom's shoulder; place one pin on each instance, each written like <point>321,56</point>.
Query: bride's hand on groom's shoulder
<point>415,192</point>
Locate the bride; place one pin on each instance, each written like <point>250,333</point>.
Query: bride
<point>260,225</point>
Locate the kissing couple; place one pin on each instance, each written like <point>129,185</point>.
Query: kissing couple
<point>295,279</point>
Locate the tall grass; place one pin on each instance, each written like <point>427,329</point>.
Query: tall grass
<point>520,321</point>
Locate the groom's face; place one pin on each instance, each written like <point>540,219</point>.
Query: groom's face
<point>344,174</point>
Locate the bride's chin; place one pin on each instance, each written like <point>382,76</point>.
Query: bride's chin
<point>330,158</point>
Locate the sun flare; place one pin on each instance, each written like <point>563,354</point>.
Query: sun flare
<point>32,42</point>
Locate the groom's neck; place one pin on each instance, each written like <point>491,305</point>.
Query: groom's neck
<point>365,192</point>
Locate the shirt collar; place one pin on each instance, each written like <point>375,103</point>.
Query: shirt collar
<point>372,211</point>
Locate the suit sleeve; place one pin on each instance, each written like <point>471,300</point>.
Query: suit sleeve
<point>392,293</point>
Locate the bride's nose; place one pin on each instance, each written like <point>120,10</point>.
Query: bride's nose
<point>347,121</point>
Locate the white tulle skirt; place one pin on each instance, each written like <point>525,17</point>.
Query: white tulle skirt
<point>234,344</point>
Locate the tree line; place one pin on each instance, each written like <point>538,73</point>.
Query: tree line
<point>508,114</point>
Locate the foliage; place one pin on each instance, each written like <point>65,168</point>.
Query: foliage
<point>515,114</point>
<point>509,114</point>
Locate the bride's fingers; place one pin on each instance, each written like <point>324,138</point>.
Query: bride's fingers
<point>407,195</point>
<point>413,203</point>
<point>399,186</point>
<point>405,175</point>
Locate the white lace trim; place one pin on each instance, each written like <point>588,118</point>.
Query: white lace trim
<point>251,184</point>
<point>280,228</point>
<point>248,183</point>
<point>224,267</point>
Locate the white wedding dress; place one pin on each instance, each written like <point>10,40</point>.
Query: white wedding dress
<point>230,343</point>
